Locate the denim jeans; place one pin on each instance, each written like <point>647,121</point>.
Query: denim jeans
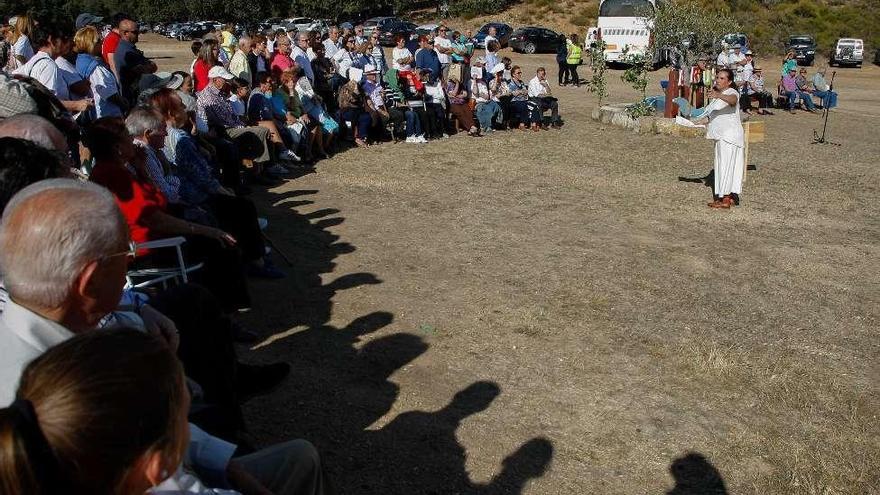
<point>829,98</point>
<point>794,95</point>
<point>487,112</point>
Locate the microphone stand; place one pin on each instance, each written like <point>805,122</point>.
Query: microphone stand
<point>817,139</point>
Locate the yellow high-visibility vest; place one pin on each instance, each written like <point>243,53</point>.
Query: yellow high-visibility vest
<point>574,54</point>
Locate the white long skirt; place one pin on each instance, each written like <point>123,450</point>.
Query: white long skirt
<point>729,166</point>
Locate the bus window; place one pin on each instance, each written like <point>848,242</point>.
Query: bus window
<point>624,8</point>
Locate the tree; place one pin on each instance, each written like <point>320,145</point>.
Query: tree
<point>597,84</point>
<point>684,30</point>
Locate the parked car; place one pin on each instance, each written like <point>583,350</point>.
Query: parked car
<point>877,57</point>
<point>804,47</point>
<point>502,32</point>
<point>848,51</point>
<point>736,39</point>
<point>426,29</point>
<point>387,35</point>
<point>534,39</point>
<point>378,23</point>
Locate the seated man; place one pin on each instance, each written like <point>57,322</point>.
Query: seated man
<point>539,93</point>
<point>793,92</point>
<point>61,285</point>
<point>216,111</point>
<point>758,91</point>
<point>822,90</point>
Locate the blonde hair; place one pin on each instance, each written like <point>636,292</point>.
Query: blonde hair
<point>86,40</point>
<point>24,25</point>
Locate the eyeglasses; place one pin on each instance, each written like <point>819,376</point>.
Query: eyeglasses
<point>130,253</point>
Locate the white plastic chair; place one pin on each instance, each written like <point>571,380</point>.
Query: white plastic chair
<point>155,276</point>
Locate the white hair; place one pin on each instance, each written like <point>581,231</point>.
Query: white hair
<point>244,41</point>
<point>35,129</point>
<point>141,120</point>
<point>50,231</point>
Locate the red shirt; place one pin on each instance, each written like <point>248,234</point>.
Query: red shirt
<point>138,199</point>
<point>280,63</point>
<point>109,46</point>
<point>200,74</point>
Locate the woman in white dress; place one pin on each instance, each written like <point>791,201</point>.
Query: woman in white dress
<point>725,128</point>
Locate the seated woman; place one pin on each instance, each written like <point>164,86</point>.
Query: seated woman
<point>199,187</point>
<point>488,111</point>
<point>500,92</point>
<point>396,100</point>
<point>458,104</point>
<point>288,106</point>
<point>435,105</point>
<point>526,114</point>
<point>119,166</point>
<point>352,109</point>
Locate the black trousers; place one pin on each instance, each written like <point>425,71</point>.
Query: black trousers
<point>563,72</point>
<point>238,216</point>
<point>207,353</point>
<point>573,71</point>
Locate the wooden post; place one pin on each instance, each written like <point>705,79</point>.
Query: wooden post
<point>754,133</point>
<point>671,109</point>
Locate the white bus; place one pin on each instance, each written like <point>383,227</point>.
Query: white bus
<point>620,25</point>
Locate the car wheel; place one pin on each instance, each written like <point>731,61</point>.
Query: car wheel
<point>529,48</point>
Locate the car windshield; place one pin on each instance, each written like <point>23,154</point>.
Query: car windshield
<point>624,8</point>
<point>485,29</point>
<point>370,23</point>
<point>302,20</point>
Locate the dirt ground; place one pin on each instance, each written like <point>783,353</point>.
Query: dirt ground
<point>556,313</point>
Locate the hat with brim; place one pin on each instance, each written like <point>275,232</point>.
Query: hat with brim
<point>370,69</point>
<point>159,80</point>
<point>218,71</point>
<point>499,67</point>
<point>86,19</point>
<point>749,52</point>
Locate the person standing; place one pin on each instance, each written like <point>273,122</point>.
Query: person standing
<point>239,64</point>
<point>574,59</point>
<point>443,46</point>
<point>491,35</point>
<point>726,129</point>
<point>401,57</point>
<point>300,57</point>
<point>331,44</point>
<point>111,42</point>
<point>22,47</point>
<point>90,66</point>
<point>130,62</point>
<point>44,69</point>
<point>561,60</point>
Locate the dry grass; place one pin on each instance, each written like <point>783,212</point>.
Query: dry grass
<point>620,318</point>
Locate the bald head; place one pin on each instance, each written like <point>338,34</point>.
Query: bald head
<point>35,129</point>
<point>50,232</point>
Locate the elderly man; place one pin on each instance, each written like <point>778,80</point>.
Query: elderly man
<point>491,35</point>
<point>238,64</point>
<point>281,58</point>
<point>215,109</point>
<point>443,46</point>
<point>64,251</point>
<point>539,93</point>
<point>129,61</point>
<point>300,56</point>
<point>822,90</point>
<point>50,41</point>
<point>331,44</point>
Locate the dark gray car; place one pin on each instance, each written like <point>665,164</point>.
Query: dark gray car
<point>804,47</point>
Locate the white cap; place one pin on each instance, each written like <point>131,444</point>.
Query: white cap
<point>499,67</point>
<point>370,69</point>
<point>218,71</point>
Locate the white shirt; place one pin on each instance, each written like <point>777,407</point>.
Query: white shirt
<point>486,41</point>
<point>440,41</point>
<point>42,68</point>
<point>330,48</point>
<point>724,121</point>
<point>538,87</point>
<point>270,46</point>
<point>23,48</point>
<point>103,87</point>
<point>400,54</point>
<point>342,60</point>
<point>722,60</point>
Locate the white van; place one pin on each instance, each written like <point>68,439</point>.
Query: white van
<point>848,51</point>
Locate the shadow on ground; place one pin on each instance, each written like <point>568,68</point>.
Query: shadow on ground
<point>340,386</point>
<point>695,475</point>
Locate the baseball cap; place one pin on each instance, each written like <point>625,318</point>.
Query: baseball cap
<point>218,71</point>
<point>85,19</point>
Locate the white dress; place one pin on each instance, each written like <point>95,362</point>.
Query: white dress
<point>725,127</point>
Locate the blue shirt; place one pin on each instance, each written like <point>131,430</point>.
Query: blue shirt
<point>427,59</point>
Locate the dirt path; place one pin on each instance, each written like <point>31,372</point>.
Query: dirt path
<point>557,313</point>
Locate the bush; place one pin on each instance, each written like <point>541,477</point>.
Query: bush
<point>472,8</point>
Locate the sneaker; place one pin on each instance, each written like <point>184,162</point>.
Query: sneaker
<point>445,136</point>
<point>288,156</point>
<point>277,170</point>
<point>254,380</point>
<point>421,139</point>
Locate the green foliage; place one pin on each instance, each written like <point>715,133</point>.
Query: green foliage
<point>689,29</point>
<point>597,84</point>
<point>640,109</point>
<point>472,8</point>
<point>636,73</point>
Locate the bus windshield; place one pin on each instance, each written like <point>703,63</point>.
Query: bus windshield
<point>624,8</point>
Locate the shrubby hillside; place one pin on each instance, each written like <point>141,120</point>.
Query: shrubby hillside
<point>768,22</point>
